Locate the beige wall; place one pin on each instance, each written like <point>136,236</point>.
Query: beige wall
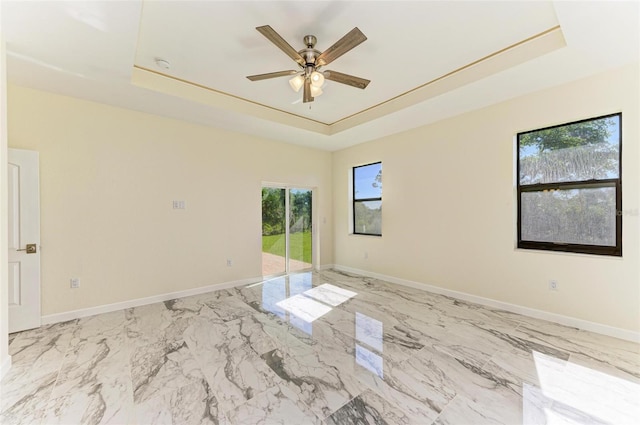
<point>108,177</point>
<point>449,207</point>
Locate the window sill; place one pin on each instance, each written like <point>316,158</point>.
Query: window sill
<point>567,253</point>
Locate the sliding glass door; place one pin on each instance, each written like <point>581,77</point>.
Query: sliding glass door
<point>286,230</point>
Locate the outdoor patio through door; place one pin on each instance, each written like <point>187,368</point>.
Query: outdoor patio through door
<point>286,230</point>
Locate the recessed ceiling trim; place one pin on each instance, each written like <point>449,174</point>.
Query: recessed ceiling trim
<point>523,51</point>
<point>501,60</point>
<point>154,80</point>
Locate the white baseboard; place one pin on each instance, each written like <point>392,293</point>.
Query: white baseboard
<point>514,308</point>
<point>5,366</point>
<point>107,308</point>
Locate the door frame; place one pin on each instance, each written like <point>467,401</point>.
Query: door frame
<point>314,220</point>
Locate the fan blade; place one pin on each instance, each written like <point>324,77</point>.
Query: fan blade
<point>271,75</point>
<point>340,47</point>
<point>307,91</point>
<point>281,43</point>
<point>347,79</point>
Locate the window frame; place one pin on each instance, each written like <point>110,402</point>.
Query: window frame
<point>577,184</point>
<point>354,200</point>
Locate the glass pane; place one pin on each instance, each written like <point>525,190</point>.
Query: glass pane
<point>368,217</point>
<point>573,152</point>
<point>577,216</point>
<point>367,181</point>
<point>300,229</point>
<point>273,231</point>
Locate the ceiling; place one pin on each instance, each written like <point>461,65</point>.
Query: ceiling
<point>426,60</point>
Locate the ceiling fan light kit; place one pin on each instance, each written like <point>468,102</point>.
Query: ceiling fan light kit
<point>311,60</point>
<point>297,82</point>
<point>316,91</point>
<point>317,79</point>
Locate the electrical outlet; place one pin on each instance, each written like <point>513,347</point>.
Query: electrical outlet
<point>75,282</point>
<point>366,255</point>
<point>178,205</point>
<point>553,285</point>
<point>229,262</point>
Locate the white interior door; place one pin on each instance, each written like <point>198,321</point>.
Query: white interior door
<point>24,240</point>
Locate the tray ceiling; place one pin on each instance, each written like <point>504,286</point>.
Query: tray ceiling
<point>425,60</point>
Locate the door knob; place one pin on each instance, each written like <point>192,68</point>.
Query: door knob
<point>31,248</point>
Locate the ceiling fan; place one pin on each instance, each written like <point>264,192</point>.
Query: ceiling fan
<point>310,61</point>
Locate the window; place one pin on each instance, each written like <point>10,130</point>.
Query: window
<point>367,199</point>
<point>569,187</point>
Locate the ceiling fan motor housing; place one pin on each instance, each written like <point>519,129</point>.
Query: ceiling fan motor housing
<point>309,56</point>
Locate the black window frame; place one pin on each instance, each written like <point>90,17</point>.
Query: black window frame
<point>581,184</point>
<point>355,200</point>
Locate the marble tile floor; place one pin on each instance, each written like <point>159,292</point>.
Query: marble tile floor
<point>318,348</point>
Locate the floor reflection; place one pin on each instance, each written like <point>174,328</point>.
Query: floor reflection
<point>369,333</point>
<point>279,297</point>
<point>294,299</point>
